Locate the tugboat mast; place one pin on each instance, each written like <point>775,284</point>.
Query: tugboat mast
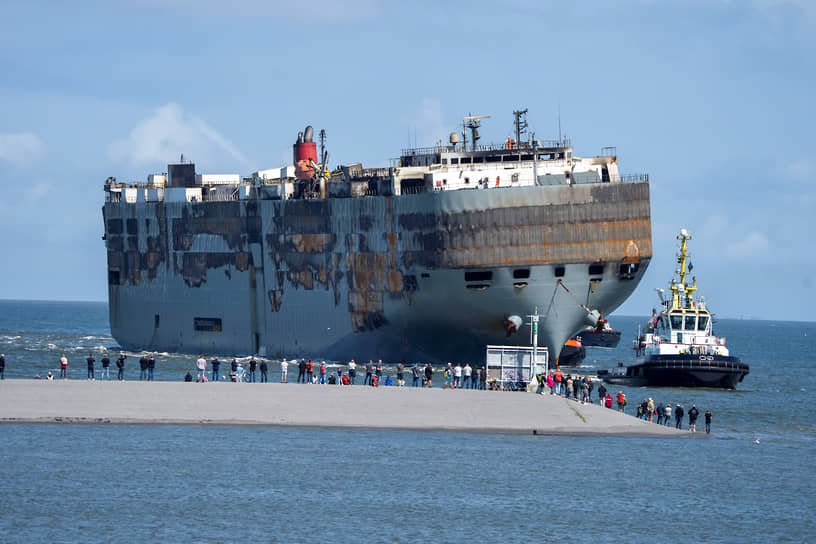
<point>688,290</point>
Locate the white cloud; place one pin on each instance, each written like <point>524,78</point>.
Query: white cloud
<point>753,245</point>
<point>168,133</point>
<point>38,191</point>
<point>20,147</point>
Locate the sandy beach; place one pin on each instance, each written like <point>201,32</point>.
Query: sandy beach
<point>224,403</point>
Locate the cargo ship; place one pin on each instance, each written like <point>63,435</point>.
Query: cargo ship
<point>428,259</point>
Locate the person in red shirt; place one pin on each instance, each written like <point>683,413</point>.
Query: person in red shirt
<point>621,401</point>
<point>558,382</point>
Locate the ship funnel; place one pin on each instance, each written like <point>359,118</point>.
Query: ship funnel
<point>308,135</point>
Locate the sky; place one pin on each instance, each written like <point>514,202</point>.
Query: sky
<point>712,98</point>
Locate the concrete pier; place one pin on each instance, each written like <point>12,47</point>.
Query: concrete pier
<point>225,403</point>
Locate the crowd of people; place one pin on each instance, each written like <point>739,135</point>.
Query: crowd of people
<point>665,414</point>
<point>310,372</point>
<point>455,377</point>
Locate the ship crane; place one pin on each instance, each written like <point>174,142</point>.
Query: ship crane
<point>472,122</point>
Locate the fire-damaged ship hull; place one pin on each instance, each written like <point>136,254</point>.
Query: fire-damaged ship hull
<point>389,274</point>
<point>428,276</point>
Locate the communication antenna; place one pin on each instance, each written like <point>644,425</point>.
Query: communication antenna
<point>520,124</point>
<point>324,155</point>
<point>473,122</point>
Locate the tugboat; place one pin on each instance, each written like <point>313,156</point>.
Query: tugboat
<point>678,347</point>
<point>599,336</point>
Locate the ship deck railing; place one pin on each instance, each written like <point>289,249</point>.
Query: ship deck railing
<point>543,146</point>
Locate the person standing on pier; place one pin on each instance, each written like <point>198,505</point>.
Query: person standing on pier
<point>91,360</point>
<point>216,365</point>
<point>322,379</point>
<point>707,416</point>
<point>467,371</point>
<point>105,374</point>
<point>678,416</point>
<point>284,370</point>
<point>2,366</point>
<point>558,378</point>
<point>379,370</point>
<point>369,372</point>
<point>400,374</point>
<point>601,392</point>
<point>483,378</point>
<point>151,366</point>
<point>201,368</point>
<point>457,376</point>
<point>352,372</point>
<point>120,364</point>
<point>416,372</point>
<point>264,371</point>
<point>301,371</point>
<point>143,367</point>
<point>310,371</point>
<point>621,401</point>
<point>253,365</point>
<point>693,413</point>
<point>429,374</point>
<point>64,367</point>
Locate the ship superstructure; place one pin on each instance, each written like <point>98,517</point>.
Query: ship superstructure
<point>422,260</point>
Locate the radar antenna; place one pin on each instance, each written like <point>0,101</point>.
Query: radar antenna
<point>521,124</point>
<point>473,122</point>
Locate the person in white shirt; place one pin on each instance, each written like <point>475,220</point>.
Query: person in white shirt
<point>457,376</point>
<point>201,366</point>
<point>352,371</point>
<point>468,371</point>
<point>284,370</point>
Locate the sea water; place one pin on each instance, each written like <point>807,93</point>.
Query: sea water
<point>750,480</point>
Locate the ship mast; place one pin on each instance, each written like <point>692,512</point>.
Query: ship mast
<point>473,122</point>
<point>676,288</point>
<point>521,124</point>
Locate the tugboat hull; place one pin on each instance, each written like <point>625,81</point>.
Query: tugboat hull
<point>607,338</point>
<point>680,371</point>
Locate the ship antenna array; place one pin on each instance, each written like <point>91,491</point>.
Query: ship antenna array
<point>324,155</point>
<point>520,123</point>
<point>473,122</point>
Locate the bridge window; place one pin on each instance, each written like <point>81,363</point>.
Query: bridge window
<point>702,322</point>
<point>521,273</point>
<point>596,269</point>
<point>676,321</point>
<point>690,322</point>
